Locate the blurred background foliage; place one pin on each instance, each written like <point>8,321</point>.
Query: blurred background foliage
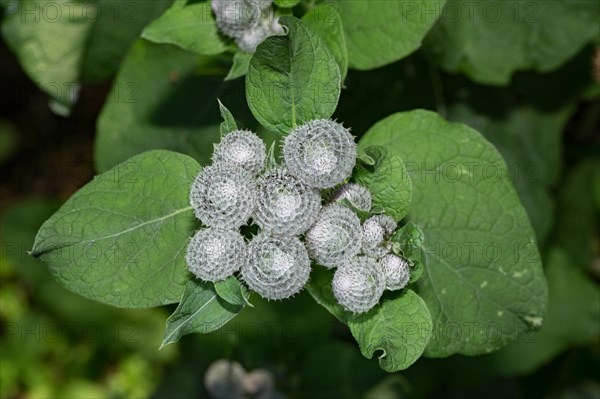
<point>55,344</point>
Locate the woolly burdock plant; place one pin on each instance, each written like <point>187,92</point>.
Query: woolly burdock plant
<point>359,196</point>
<point>359,284</point>
<point>335,237</point>
<point>321,153</point>
<point>214,254</point>
<point>284,204</point>
<point>276,267</point>
<point>396,271</point>
<point>223,196</point>
<point>242,148</point>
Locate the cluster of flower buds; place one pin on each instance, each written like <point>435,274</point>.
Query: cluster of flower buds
<point>285,204</point>
<point>249,22</point>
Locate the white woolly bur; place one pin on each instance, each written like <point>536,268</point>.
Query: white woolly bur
<point>249,22</point>
<point>242,148</point>
<point>373,238</point>
<point>252,38</point>
<point>387,222</point>
<point>234,18</point>
<point>284,204</point>
<point>276,267</point>
<point>321,153</point>
<point>215,254</point>
<point>223,196</point>
<point>335,237</point>
<point>358,285</point>
<point>396,271</point>
<point>359,196</point>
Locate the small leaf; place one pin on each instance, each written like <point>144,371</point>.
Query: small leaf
<point>410,238</point>
<point>121,239</point>
<point>416,270</point>
<point>200,311</point>
<point>388,181</point>
<point>292,79</point>
<point>232,291</point>
<point>326,22</point>
<point>191,27</point>
<point>229,125</point>
<point>241,63</point>
<point>400,327</point>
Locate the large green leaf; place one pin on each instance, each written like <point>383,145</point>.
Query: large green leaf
<point>327,22</point>
<point>62,43</point>
<point>399,326</point>
<point>536,34</point>
<point>292,79</point>
<point>200,311</point>
<point>483,281</point>
<point>388,181</point>
<point>191,27</point>
<point>154,105</point>
<point>530,140</point>
<point>121,239</point>
<point>379,32</point>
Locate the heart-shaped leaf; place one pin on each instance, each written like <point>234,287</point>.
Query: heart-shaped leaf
<point>122,238</point>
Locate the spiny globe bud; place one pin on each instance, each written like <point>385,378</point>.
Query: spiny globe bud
<point>321,153</point>
<point>373,238</point>
<point>234,18</point>
<point>223,196</point>
<point>276,267</point>
<point>359,196</point>
<point>335,237</point>
<point>214,254</point>
<point>358,285</point>
<point>396,271</point>
<point>284,204</point>
<point>225,380</point>
<point>242,148</point>
<point>387,222</point>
